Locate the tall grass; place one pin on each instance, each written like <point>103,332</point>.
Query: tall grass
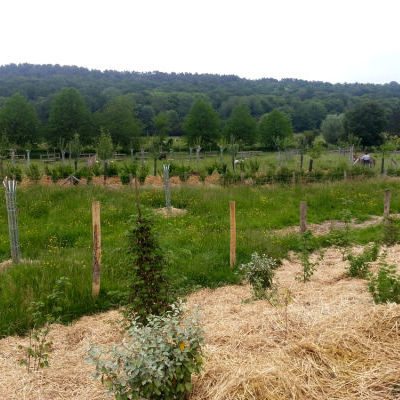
<point>55,232</point>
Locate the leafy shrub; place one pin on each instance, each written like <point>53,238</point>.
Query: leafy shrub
<point>83,172</point>
<point>359,265</point>
<point>15,173</point>
<point>64,171</point>
<point>143,172</point>
<point>211,168</point>
<point>125,178</point>
<point>129,168</point>
<point>96,169</point>
<point>305,250</point>
<point>259,272</point>
<point>148,287</point>
<point>44,312</point>
<point>391,231</point>
<point>229,178</point>
<point>112,169</point>
<point>254,165</point>
<point>385,285</point>
<point>202,175</point>
<point>156,361</point>
<point>33,173</point>
<point>283,175</point>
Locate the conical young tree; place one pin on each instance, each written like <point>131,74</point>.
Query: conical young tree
<point>242,125</point>
<point>19,119</point>
<point>201,122</point>
<point>69,115</point>
<point>149,291</point>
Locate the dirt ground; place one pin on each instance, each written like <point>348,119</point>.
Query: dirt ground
<point>329,342</point>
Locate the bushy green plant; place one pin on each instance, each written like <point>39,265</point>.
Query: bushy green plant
<point>340,238</point>
<point>156,361</point>
<point>385,285</point>
<point>254,165</point>
<point>149,291</point>
<point>33,173</point>
<point>359,265</point>
<point>96,169</point>
<point>259,272</point>
<point>112,169</point>
<point>15,173</point>
<point>44,313</point>
<point>305,251</point>
<point>143,172</point>
<point>229,178</point>
<point>83,172</point>
<point>202,175</point>
<point>391,231</point>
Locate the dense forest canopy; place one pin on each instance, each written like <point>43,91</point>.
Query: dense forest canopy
<point>140,102</point>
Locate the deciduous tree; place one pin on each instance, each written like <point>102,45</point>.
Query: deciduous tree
<point>19,119</point>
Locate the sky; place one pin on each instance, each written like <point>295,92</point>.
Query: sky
<point>324,40</point>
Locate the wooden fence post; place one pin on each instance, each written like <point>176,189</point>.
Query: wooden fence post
<point>386,204</point>
<point>233,234</point>
<point>96,248</point>
<point>303,216</point>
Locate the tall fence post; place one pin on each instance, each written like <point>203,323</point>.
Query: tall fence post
<point>11,203</point>
<point>386,204</point>
<point>303,216</point>
<point>96,248</point>
<point>167,187</point>
<point>232,205</point>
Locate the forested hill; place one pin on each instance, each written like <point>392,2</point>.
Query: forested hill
<point>307,103</point>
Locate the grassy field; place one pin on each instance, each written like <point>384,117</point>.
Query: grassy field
<point>55,232</point>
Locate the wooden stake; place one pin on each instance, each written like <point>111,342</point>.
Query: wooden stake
<point>386,204</point>
<point>96,248</point>
<point>233,234</point>
<point>303,216</point>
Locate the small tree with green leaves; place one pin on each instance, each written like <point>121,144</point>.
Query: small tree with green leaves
<point>44,313</point>
<point>390,144</point>
<point>105,150</point>
<point>4,149</point>
<point>233,148</point>
<point>75,148</point>
<point>149,291</point>
<point>314,152</point>
<point>305,251</point>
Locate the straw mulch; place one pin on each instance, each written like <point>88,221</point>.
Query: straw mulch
<point>329,342</point>
<point>325,227</point>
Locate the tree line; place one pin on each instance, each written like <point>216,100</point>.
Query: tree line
<point>50,104</point>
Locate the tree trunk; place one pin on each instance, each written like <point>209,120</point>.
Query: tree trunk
<point>105,172</point>
<point>76,165</point>
<point>310,165</point>
<point>301,160</point>
<point>383,164</point>
<point>155,166</point>
<point>62,156</point>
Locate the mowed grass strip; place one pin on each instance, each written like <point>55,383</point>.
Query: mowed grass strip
<point>55,230</point>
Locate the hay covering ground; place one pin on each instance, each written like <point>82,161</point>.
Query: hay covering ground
<point>330,342</point>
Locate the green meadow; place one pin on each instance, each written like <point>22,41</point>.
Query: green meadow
<point>56,234</point>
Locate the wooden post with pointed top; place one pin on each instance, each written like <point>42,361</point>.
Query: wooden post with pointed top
<point>233,234</point>
<point>303,216</point>
<point>386,204</point>
<point>96,248</point>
